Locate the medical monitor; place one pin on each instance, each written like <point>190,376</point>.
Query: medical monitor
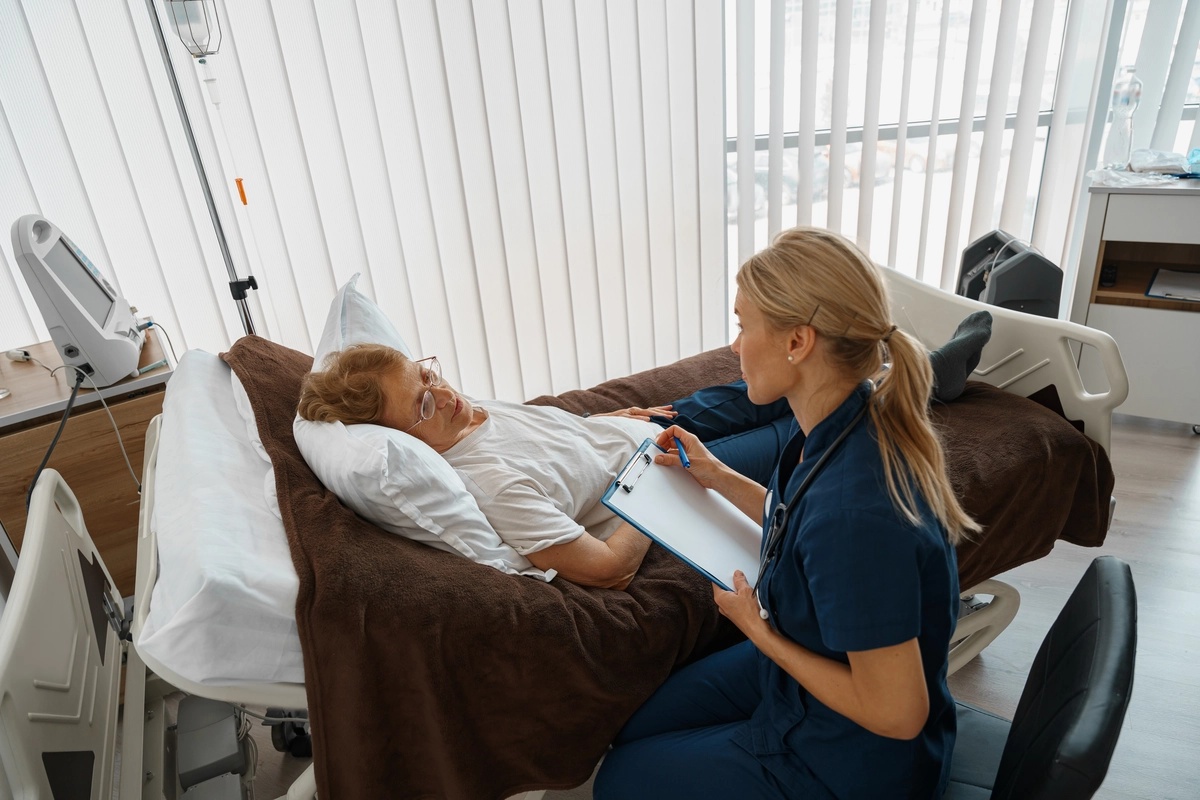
<point>1001,270</point>
<point>92,326</point>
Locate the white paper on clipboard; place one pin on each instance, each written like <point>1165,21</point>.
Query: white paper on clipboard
<point>698,525</point>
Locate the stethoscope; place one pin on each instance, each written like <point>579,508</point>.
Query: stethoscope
<point>780,513</point>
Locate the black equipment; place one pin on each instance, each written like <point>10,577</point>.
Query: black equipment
<point>1000,270</point>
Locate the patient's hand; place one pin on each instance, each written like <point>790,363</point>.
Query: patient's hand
<point>635,412</point>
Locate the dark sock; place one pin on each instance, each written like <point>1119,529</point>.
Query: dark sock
<point>954,361</point>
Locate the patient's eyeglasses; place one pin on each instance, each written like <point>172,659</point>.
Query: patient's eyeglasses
<point>431,376</point>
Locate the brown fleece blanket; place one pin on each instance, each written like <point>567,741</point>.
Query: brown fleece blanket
<point>429,676</point>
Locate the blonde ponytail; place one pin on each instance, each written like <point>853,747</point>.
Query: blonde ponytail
<point>810,276</point>
<point>912,454</point>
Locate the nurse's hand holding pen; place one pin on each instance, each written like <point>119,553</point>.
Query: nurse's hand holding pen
<point>702,465</point>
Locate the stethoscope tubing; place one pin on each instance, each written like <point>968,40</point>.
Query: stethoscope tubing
<point>781,511</point>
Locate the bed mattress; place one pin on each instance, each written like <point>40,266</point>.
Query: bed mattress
<point>222,611</point>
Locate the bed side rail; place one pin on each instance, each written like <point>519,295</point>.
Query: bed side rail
<point>279,695</point>
<point>60,657</point>
<point>147,545</point>
<point>1026,352</point>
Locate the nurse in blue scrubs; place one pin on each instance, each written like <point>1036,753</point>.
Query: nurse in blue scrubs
<point>839,690</point>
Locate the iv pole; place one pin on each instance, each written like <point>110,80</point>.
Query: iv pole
<point>238,287</point>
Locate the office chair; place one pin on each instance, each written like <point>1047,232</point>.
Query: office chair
<point>1062,736</point>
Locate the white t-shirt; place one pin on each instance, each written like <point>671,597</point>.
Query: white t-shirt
<point>538,473</point>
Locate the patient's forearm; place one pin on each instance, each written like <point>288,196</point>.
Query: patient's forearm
<point>588,561</point>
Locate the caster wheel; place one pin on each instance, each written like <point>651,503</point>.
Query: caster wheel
<point>290,737</point>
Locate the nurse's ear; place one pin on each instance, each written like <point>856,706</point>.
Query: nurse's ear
<point>800,343</point>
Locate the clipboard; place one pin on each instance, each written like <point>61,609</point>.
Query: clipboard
<point>1170,284</point>
<point>709,533</point>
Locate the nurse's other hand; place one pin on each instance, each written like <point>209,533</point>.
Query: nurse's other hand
<point>740,605</point>
<point>635,412</point>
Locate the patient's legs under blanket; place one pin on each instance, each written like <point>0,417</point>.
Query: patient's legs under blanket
<point>715,412</point>
<point>747,437</point>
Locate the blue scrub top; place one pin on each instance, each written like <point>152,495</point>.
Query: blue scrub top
<point>853,574</point>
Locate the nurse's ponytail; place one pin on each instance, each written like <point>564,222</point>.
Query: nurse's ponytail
<point>810,276</point>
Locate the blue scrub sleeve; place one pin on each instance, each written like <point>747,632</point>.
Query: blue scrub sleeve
<point>864,574</point>
<point>718,411</point>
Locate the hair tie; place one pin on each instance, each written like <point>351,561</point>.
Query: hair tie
<point>888,335</point>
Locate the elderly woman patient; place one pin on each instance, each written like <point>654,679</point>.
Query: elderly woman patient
<point>539,473</point>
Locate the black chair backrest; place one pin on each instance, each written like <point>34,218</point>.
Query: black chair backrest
<point>1074,702</point>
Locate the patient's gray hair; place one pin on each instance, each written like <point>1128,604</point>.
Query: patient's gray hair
<point>348,388</point>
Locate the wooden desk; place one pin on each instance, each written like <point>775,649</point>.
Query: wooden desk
<point>87,455</point>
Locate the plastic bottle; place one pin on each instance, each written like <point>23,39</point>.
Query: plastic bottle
<point>1126,94</point>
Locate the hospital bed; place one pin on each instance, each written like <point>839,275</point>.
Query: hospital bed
<point>220,620</point>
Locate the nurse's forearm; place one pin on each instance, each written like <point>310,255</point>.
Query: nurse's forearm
<point>746,494</point>
<point>882,690</point>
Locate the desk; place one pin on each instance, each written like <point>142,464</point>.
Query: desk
<point>87,455</point>
<point>1138,230</point>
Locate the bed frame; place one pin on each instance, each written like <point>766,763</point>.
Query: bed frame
<point>64,711</point>
<point>1025,355</point>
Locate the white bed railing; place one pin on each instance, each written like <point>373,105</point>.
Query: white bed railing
<point>1025,354</point>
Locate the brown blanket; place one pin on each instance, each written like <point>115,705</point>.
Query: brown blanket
<point>430,676</point>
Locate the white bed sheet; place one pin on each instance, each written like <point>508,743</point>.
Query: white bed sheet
<point>223,608</point>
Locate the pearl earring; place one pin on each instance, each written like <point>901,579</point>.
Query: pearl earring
<point>789,358</point>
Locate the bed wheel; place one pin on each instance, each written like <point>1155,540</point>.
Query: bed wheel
<point>290,737</point>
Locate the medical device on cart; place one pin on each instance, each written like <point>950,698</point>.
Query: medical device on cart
<point>93,327</point>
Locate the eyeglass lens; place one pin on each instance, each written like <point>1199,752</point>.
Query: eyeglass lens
<point>431,374</point>
<point>428,405</point>
<point>432,371</point>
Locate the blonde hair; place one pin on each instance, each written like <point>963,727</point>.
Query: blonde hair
<point>348,389</point>
<point>810,276</point>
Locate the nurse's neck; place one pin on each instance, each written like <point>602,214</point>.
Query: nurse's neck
<point>811,406</point>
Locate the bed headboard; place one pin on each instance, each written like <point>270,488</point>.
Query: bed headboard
<point>1026,352</point>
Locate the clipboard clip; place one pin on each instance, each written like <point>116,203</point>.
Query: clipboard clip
<point>634,470</point>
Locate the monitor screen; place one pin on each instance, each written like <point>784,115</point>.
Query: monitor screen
<point>79,281</point>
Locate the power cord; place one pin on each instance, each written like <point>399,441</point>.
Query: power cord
<point>80,375</point>
<point>156,326</point>
<point>57,434</point>
<point>987,273</point>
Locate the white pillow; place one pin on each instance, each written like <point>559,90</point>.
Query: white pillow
<point>390,478</point>
<point>354,318</point>
<point>382,475</point>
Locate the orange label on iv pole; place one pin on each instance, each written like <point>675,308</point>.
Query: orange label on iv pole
<point>241,190</point>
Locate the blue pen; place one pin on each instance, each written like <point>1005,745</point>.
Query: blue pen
<point>682,455</point>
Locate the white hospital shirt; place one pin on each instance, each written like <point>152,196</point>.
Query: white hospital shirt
<point>538,473</point>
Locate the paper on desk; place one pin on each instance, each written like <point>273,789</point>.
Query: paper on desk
<point>1175,285</point>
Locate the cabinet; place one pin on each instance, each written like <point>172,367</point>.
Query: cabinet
<point>1138,230</point>
<point>87,455</point>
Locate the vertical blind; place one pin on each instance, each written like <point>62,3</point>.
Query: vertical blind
<point>917,127</point>
<point>531,190</point>
<point>90,138</point>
